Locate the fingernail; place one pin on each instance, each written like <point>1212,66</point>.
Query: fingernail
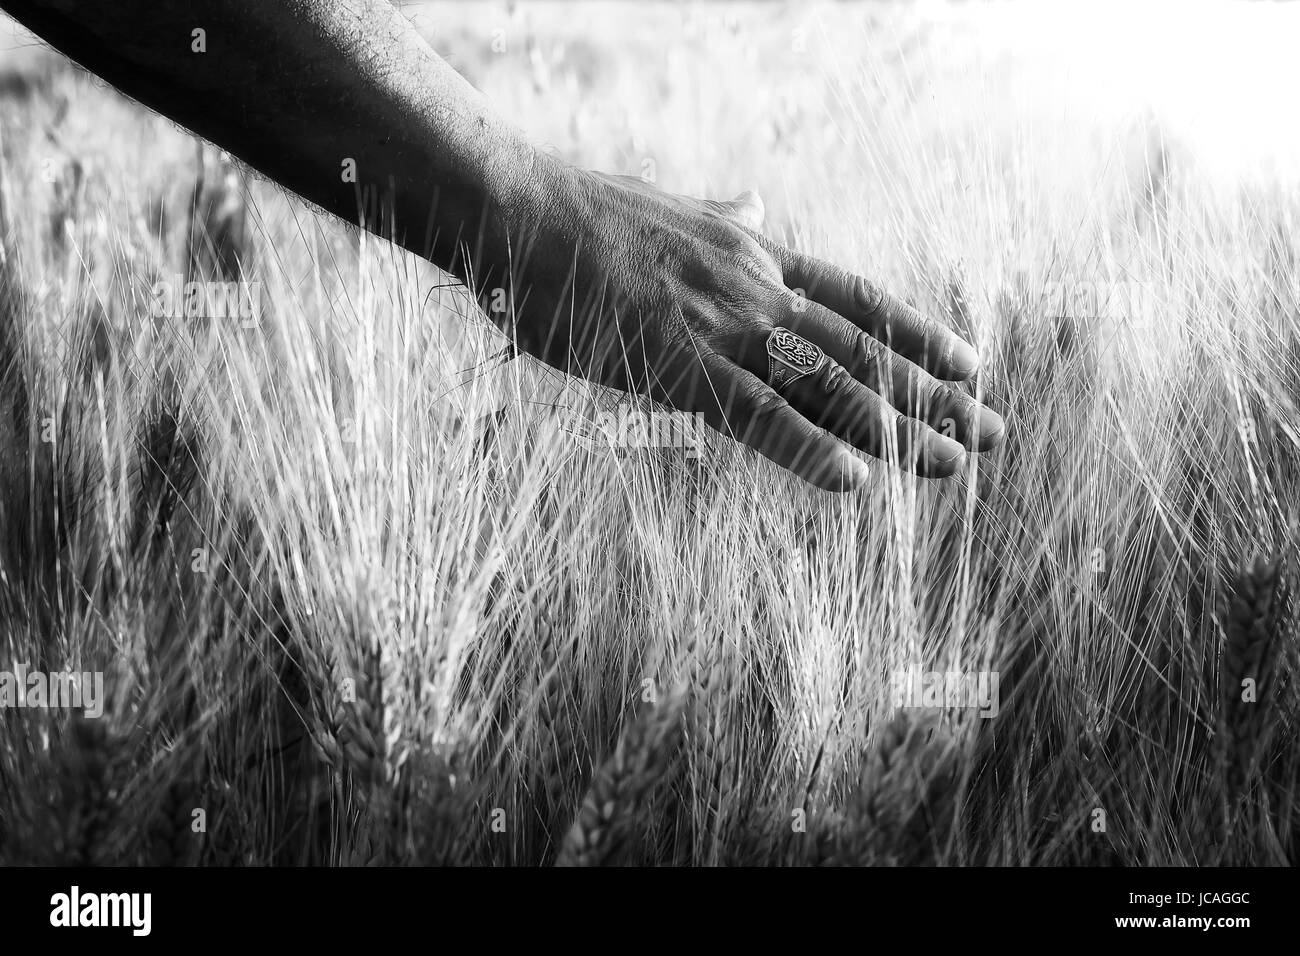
<point>943,449</point>
<point>854,473</point>
<point>991,429</point>
<point>965,360</point>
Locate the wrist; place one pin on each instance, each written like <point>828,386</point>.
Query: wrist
<point>530,191</point>
<point>528,188</point>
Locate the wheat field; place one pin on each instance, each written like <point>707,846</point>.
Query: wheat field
<point>359,595</point>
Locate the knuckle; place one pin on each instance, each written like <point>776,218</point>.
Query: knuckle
<point>870,361</point>
<point>900,428</point>
<point>766,408</point>
<point>866,295</point>
<point>753,259</point>
<point>934,395</point>
<point>754,267</point>
<point>835,378</point>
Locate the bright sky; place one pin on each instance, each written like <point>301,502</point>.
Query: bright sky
<point>1221,76</point>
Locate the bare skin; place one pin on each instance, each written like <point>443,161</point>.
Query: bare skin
<point>608,278</point>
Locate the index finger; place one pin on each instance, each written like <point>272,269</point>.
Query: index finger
<point>937,349</point>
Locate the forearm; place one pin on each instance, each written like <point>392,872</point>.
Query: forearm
<point>297,88</point>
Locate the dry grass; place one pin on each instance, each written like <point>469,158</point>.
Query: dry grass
<point>354,606</point>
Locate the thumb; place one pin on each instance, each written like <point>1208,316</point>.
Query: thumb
<point>746,209</point>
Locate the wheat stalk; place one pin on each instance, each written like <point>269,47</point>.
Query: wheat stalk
<point>1253,616</point>
<point>554,736</point>
<point>709,723</point>
<point>906,802</point>
<point>91,769</point>
<point>620,788</point>
<point>171,833</point>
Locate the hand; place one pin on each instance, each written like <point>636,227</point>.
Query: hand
<point>675,298</point>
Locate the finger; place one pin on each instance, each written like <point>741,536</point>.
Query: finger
<point>900,382</point>
<point>741,406</point>
<point>746,209</point>
<point>935,348</point>
<point>749,209</point>
<point>835,401</point>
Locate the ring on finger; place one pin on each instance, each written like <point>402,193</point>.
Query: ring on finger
<point>791,357</point>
